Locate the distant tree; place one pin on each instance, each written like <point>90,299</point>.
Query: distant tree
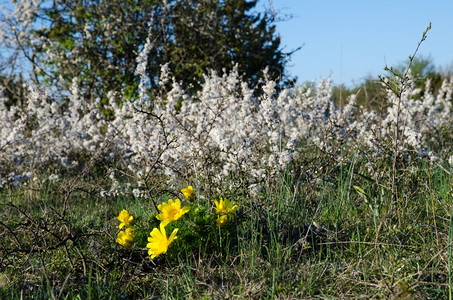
<point>97,41</point>
<point>369,93</point>
<point>423,68</point>
<point>341,93</point>
<point>217,34</point>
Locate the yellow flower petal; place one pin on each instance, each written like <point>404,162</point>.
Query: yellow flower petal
<point>173,236</point>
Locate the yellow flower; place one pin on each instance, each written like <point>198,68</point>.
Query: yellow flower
<point>125,218</point>
<point>189,193</point>
<point>221,221</point>
<point>171,211</point>
<point>158,242</point>
<point>126,238</point>
<point>224,207</point>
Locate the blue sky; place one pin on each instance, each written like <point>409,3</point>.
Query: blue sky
<point>349,40</point>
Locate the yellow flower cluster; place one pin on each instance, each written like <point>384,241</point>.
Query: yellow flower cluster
<point>224,208</point>
<point>126,238</point>
<point>170,211</point>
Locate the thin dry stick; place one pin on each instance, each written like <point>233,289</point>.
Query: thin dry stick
<point>398,91</point>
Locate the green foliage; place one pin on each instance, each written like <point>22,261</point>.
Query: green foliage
<point>423,69</point>
<point>98,42</point>
<point>370,93</point>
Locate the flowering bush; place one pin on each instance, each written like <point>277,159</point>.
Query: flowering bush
<point>223,130</point>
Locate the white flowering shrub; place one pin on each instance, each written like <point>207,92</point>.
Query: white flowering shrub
<point>222,130</point>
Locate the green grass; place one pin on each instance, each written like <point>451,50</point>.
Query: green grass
<point>309,234</point>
